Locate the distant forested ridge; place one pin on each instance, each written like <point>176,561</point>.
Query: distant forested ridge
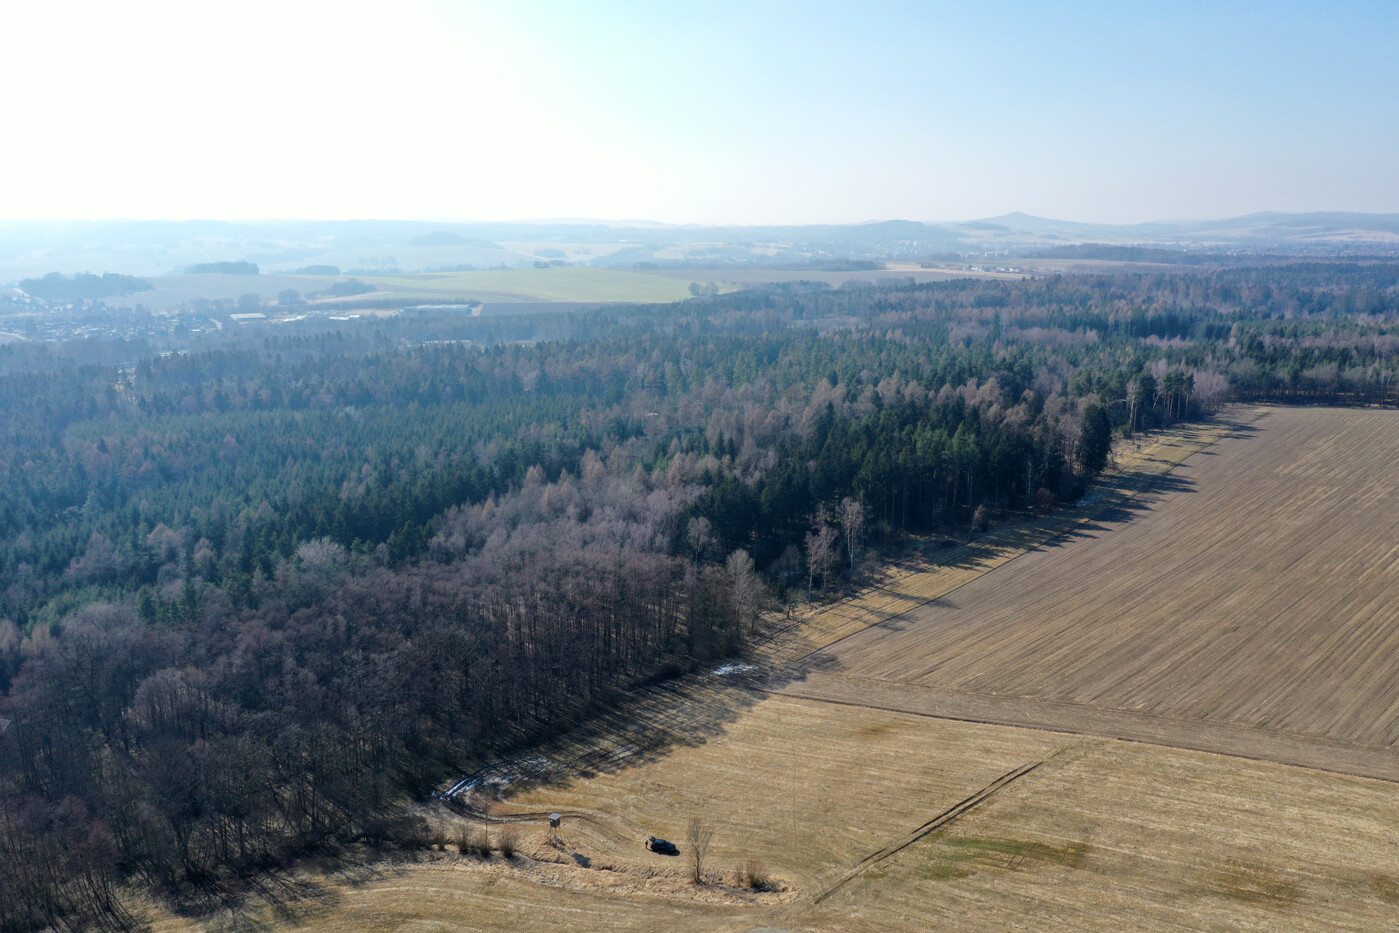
<point>224,268</point>
<point>344,289</point>
<point>83,287</point>
<point>256,595</point>
<point>447,238</point>
<point>1104,251</point>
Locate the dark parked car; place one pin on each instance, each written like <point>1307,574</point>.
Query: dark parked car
<point>661,846</point>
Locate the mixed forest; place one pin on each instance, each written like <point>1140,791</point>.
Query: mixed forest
<point>256,593</point>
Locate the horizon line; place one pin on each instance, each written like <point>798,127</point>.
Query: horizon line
<point>631,222</point>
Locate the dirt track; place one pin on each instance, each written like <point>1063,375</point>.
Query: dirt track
<point>1247,609</point>
<point>960,808</point>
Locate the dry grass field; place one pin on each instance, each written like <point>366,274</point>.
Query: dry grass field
<point>1102,835</point>
<point>1119,836</point>
<point>1228,578</point>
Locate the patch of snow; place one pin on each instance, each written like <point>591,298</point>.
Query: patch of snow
<point>503,774</point>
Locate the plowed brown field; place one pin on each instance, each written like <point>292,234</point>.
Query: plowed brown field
<point>1255,600</point>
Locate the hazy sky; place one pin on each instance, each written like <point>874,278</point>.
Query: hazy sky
<point>700,112</point>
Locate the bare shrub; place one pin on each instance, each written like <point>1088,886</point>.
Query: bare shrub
<point>507,842</point>
<point>409,831</point>
<point>473,840</point>
<point>754,875</point>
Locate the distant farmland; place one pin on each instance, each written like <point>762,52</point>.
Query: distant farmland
<point>893,273</point>
<point>555,284</point>
<point>1251,609</point>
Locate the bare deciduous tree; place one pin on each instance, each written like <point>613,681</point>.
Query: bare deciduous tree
<point>852,524</point>
<point>700,534</point>
<point>746,589</point>
<point>1211,389</point>
<point>820,554</point>
<point>699,837</point>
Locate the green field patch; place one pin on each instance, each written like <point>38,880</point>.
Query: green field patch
<point>1251,883</point>
<point>957,857</point>
<point>1385,888</point>
<point>873,728</point>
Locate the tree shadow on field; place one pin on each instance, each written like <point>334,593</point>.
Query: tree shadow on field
<point>822,661</point>
<point>966,556</point>
<point>1119,507</point>
<point>907,620</point>
<point>644,724</point>
<point>267,899</point>
<point>1244,429</point>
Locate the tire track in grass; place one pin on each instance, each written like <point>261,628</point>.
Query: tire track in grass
<point>960,808</point>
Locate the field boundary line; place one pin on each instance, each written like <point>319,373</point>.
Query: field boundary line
<point>1313,753</point>
<point>961,808</point>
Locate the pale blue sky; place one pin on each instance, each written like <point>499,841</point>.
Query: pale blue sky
<point>698,112</point>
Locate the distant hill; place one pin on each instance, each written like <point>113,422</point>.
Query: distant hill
<point>160,248</point>
<point>1301,233</point>
<point>83,286</point>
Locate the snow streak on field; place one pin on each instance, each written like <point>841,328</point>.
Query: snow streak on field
<point>1256,593</point>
